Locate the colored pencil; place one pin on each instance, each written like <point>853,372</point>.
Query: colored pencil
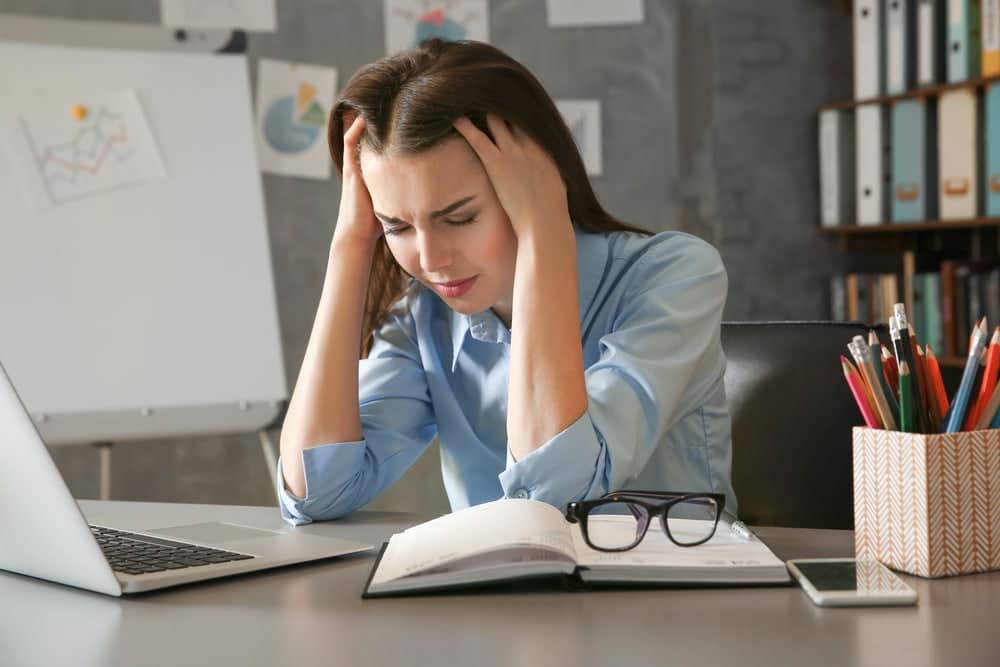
<point>937,383</point>
<point>960,402</point>
<point>867,369</point>
<point>855,382</point>
<point>890,369</point>
<point>933,404</point>
<point>989,410</point>
<point>905,402</point>
<point>875,348</point>
<point>989,380</point>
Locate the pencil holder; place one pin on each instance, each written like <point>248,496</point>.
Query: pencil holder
<point>928,504</point>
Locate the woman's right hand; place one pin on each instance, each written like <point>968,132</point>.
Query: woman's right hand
<point>356,219</point>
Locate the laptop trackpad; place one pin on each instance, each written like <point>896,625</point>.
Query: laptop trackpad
<point>213,533</point>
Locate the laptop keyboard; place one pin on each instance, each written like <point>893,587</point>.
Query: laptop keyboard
<point>132,553</point>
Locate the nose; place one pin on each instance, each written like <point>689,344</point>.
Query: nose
<point>435,251</point>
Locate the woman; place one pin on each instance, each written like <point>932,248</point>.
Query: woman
<point>556,352</point>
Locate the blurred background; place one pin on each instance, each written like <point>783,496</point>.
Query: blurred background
<point>708,113</point>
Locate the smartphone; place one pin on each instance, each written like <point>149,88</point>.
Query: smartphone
<point>846,582</point>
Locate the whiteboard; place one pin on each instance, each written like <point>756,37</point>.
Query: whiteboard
<point>148,310</point>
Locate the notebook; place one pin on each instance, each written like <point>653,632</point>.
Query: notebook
<point>513,540</point>
<point>44,535</point>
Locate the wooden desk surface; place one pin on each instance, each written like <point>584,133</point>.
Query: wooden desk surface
<point>313,615</point>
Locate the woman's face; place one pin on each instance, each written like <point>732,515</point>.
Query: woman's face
<point>444,224</point>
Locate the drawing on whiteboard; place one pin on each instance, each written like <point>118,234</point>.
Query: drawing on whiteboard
<point>409,22</point>
<point>293,100</point>
<point>90,148</point>
<point>293,123</point>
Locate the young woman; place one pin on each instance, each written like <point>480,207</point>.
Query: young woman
<point>556,352</point>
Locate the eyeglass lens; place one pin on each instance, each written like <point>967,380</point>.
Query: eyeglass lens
<point>621,525</point>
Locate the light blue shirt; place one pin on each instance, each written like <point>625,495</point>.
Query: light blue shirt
<point>657,418</point>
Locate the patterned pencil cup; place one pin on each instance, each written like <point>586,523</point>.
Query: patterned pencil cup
<point>928,504</point>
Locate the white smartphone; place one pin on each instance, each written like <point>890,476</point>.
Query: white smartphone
<point>846,582</point>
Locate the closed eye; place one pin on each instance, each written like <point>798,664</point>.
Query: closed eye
<point>462,221</point>
<point>394,231</point>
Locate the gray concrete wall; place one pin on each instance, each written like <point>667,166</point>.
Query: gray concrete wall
<point>709,127</point>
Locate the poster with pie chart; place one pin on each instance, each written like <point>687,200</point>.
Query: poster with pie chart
<point>293,103</point>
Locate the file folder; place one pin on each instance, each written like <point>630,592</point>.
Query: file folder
<point>958,153</point>
<point>913,161</point>
<point>932,42</point>
<point>990,20</point>
<point>872,163</point>
<point>869,50</point>
<point>836,167</point>
<point>964,41</point>
<point>991,121</point>
<point>900,46</point>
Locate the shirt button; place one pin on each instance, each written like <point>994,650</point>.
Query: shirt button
<point>520,493</point>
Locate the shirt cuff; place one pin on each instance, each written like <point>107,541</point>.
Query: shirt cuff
<point>323,467</point>
<point>570,466</point>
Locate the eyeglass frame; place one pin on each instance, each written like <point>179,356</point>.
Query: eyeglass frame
<point>578,512</point>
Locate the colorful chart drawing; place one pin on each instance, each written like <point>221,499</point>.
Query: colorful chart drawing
<point>292,123</point>
<point>108,147</point>
<point>409,22</point>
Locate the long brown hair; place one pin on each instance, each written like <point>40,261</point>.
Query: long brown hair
<point>410,100</point>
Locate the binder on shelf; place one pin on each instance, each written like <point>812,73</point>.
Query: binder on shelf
<point>964,40</point>
<point>990,37</point>
<point>869,49</point>
<point>872,164</point>
<point>991,123</point>
<point>958,154</point>
<point>836,167</point>
<point>900,46</point>
<point>932,42</point>
<point>913,160</point>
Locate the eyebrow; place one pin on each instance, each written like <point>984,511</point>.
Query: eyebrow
<point>440,213</point>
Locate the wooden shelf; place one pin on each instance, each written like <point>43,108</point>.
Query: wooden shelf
<point>926,226</point>
<point>923,91</point>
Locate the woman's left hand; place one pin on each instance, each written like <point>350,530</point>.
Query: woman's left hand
<point>525,177</point>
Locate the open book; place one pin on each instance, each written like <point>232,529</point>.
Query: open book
<point>513,539</point>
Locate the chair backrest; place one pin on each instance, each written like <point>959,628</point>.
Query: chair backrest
<point>792,416</point>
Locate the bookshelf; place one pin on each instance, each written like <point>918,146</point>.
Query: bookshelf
<point>970,240</point>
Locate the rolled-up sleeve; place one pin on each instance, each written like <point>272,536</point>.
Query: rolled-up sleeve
<point>397,420</point>
<point>661,362</point>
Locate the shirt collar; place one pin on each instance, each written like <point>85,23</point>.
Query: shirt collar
<point>591,259</point>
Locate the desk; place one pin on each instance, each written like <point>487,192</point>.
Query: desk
<point>313,615</point>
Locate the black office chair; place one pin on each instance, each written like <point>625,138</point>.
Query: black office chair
<point>792,415</point>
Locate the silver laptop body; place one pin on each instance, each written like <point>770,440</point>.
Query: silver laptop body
<point>43,533</point>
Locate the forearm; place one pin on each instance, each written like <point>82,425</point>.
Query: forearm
<point>547,391</point>
<point>324,404</point>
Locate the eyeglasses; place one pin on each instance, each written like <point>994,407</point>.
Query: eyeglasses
<point>618,521</point>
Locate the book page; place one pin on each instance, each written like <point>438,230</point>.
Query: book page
<point>724,550</point>
<point>495,526</point>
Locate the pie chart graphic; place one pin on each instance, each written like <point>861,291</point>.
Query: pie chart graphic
<point>293,123</point>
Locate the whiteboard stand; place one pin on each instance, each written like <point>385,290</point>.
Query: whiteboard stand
<point>104,478</point>
<point>270,457</point>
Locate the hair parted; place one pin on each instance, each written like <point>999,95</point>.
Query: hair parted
<point>409,101</point>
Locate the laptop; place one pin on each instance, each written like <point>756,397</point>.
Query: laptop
<point>44,534</point>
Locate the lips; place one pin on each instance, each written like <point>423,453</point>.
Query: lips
<point>455,288</point>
